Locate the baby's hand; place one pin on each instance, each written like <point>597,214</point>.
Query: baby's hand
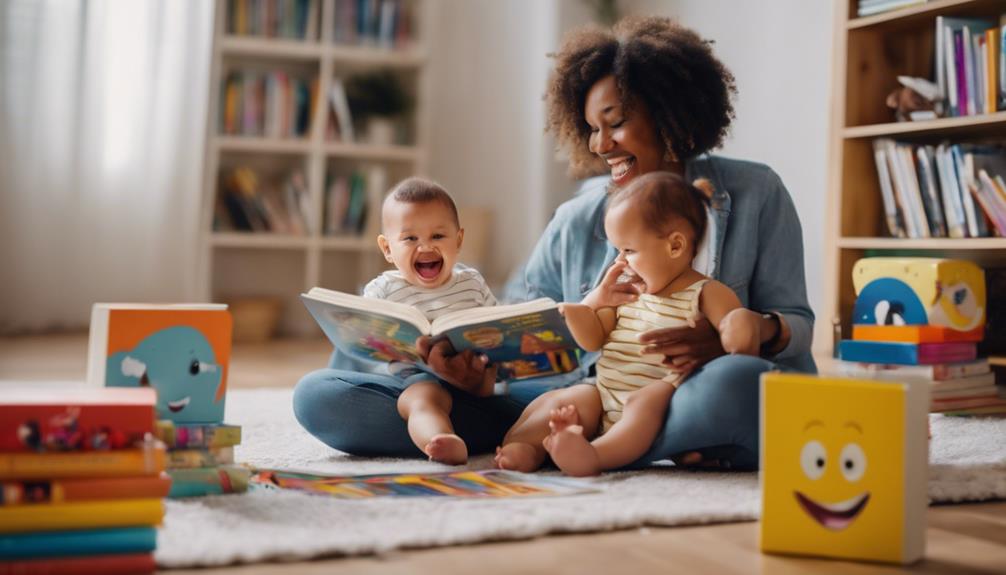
<point>610,292</point>
<point>740,332</point>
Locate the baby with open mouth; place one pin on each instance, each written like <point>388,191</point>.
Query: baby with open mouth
<point>422,235</point>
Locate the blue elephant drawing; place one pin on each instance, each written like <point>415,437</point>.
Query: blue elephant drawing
<point>180,364</point>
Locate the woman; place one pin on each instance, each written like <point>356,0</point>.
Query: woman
<point>648,95</point>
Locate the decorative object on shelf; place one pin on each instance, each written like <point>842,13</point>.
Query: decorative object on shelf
<point>915,100</point>
<point>379,101</point>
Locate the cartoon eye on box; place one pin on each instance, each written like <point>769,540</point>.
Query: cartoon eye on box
<point>843,467</point>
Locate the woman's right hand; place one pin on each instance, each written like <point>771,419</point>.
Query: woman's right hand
<point>610,292</point>
<point>468,371</point>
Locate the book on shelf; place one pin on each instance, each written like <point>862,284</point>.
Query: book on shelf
<point>117,540</point>
<point>524,340</point>
<point>871,7</point>
<point>74,489</point>
<point>81,515</point>
<point>289,19</point>
<point>146,460</point>
<point>107,564</point>
<point>381,23</point>
<point>968,65</point>
<point>266,104</point>
<point>347,200</point>
<point>197,435</point>
<point>340,124</point>
<point>250,203</point>
<point>40,420</point>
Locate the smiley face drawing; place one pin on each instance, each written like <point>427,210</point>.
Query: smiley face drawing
<point>835,466</point>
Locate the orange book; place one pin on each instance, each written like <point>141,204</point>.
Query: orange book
<point>991,69</point>
<point>81,515</point>
<point>39,420</point>
<point>73,490</point>
<point>914,334</point>
<point>127,563</point>
<point>147,460</point>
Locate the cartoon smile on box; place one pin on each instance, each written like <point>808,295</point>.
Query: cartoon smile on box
<point>835,467</point>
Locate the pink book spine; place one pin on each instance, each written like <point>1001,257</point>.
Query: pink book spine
<point>946,352</point>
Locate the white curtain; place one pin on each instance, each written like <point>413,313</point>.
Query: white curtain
<point>102,129</point>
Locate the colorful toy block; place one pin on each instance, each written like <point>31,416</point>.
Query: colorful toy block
<point>843,467</point>
<point>906,353</point>
<point>914,334</point>
<point>919,291</point>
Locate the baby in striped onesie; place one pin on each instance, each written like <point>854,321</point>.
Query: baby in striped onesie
<point>421,235</point>
<point>656,223</point>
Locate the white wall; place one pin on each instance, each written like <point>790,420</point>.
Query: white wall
<point>780,54</point>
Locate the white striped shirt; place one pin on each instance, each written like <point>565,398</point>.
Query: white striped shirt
<point>465,289</point>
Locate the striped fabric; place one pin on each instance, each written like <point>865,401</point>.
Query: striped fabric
<point>466,289</point>
<point>622,368</point>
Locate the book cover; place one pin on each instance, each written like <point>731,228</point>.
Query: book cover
<point>906,353</point>
<point>33,491</point>
<point>182,351</point>
<point>111,564</point>
<point>843,467</point>
<point>208,481</point>
<point>81,515</point>
<point>523,340</point>
<point>207,457</point>
<point>893,218</point>
<point>466,484</point>
<point>945,372</point>
<point>39,420</point>
<point>78,543</point>
<point>148,460</point>
<point>930,193</point>
<point>194,435</point>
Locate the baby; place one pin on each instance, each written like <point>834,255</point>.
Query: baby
<point>656,223</point>
<point>422,237</point>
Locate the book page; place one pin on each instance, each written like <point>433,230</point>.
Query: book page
<point>479,315</point>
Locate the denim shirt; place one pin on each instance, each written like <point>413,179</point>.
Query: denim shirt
<point>757,249</point>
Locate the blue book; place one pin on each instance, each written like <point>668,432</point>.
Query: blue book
<point>76,543</point>
<point>906,353</point>
<point>523,340</point>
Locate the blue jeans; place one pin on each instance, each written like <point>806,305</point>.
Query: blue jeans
<point>715,412</point>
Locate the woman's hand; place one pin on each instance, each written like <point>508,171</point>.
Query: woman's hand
<point>686,348</point>
<point>611,293</point>
<point>467,371</point>
<point>740,332</point>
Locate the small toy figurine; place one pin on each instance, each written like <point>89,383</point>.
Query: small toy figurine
<point>916,99</point>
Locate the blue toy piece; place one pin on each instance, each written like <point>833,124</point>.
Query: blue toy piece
<point>889,301</point>
<point>180,364</point>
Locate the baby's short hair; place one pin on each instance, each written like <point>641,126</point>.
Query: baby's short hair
<point>665,198</point>
<point>420,191</point>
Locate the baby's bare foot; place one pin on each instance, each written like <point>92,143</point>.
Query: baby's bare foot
<point>519,456</point>
<point>571,451</point>
<point>447,448</point>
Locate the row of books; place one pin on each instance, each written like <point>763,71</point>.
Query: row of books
<point>871,7</point>
<point>949,190</point>
<point>82,481</point>
<point>969,65</point>
<point>270,104</point>
<point>292,19</point>
<point>200,458</point>
<point>346,200</point>
<point>382,23</point>
<point>248,203</point>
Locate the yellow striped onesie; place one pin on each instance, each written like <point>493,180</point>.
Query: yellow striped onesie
<point>622,368</point>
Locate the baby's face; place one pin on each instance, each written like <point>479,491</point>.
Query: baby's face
<point>649,256</point>
<point>422,241</point>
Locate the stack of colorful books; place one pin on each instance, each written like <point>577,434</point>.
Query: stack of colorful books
<point>81,481</point>
<point>922,318</point>
<point>201,458</point>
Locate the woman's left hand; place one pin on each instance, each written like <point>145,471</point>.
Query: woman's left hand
<point>686,348</point>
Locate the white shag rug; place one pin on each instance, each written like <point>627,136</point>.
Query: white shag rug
<point>968,463</point>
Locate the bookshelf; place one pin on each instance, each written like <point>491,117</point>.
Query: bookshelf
<point>870,52</point>
<point>236,264</point>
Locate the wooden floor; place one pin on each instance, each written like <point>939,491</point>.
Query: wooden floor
<point>961,538</point>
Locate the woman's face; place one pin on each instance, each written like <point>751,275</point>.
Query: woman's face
<point>628,141</point>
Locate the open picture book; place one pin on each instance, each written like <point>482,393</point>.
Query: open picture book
<point>523,340</point>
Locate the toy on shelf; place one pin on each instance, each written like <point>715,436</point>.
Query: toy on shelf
<point>843,467</point>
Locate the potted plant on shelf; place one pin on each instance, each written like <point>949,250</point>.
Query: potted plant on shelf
<point>380,102</point>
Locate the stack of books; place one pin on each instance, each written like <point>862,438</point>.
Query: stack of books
<point>81,481</point>
<point>201,458</point>
<point>922,318</point>
<point>968,66</point>
<point>272,104</point>
<point>384,24</point>
<point>249,202</point>
<point>287,19</point>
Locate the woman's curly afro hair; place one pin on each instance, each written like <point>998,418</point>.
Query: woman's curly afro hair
<point>656,62</point>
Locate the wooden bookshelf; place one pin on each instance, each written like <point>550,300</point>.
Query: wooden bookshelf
<point>238,263</point>
<point>869,54</point>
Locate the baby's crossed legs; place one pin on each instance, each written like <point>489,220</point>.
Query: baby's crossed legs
<point>426,408</point>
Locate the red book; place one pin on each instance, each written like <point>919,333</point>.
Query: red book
<point>92,565</point>
<point>47,420</point>
<point>73,490</point>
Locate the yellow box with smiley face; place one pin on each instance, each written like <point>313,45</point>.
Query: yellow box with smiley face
<point>843,467</point>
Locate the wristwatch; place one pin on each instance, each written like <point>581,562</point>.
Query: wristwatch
<point>774,340</point>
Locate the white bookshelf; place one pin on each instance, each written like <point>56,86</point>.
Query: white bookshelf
<point>240,264</point>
